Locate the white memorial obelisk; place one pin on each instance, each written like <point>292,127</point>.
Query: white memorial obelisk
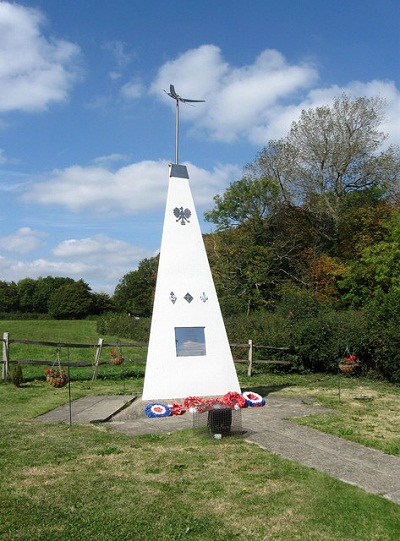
<point>189,352</point>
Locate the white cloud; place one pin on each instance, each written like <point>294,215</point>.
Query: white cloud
<point>22,241</point>
<point>100,260</point>
<point>237,98</point>
<point>132,189</point>
<point>34,70</point>
<point>118,50</point>
<point>258,101</point>
<point>112,252</point>
<point>132,90</point>
<point>110,158</point>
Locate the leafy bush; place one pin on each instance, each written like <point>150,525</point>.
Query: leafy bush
<point>16,375</point>
<point>383,317</point>
<point>307,333</point>
<point>124,326</point>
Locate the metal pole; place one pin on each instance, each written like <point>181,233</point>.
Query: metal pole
<point>177,133</point>
<point>69,392</point>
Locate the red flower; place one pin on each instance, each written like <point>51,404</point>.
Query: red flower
<point>48,371</point>
<point>233,399</point>
<point>176,408</point>
<point>193,401</point>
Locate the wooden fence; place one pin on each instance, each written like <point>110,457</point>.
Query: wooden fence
<point>7,341</point>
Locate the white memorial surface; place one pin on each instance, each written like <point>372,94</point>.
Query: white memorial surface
<point>189,353</point>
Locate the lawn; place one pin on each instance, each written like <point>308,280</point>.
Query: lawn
<point>88,483</point>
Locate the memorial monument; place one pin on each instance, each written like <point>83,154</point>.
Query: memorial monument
<point>189,352</point>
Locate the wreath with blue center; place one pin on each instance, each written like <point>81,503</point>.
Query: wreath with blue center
<point>157,409</point>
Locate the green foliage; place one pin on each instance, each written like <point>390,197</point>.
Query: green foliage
<point>377,268</point>
<point>383,315</point>
<point>16,375</point>
<point>71,301</point>
<point>249,200</point>
<point>137,329</point>
<point>8,296</point>
<point>309,334</point>
<point>135,291</point>
<point>41,298</point>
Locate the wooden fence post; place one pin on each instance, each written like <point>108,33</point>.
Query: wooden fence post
<point>99,348</point>
<point>6,356</point>
<point>250,368</point>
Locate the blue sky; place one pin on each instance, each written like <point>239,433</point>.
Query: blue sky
<point>86,131</point>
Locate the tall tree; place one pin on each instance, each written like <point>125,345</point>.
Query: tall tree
<point>26,291</point>
<point>71,301</point>
<point>329,152</point>
<point>134,293</point>
<point>8,296</point>
<point>248,200</point>
<point>306,205</point>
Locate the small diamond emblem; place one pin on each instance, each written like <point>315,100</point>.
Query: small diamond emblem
<point>188,297</point>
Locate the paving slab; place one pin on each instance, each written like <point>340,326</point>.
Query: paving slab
<point>88,409</point>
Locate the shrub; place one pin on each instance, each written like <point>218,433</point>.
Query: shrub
<point>16,375</point>
<point>383,316</point>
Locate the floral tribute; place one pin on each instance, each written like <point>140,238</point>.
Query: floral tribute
<point>253,400</point>
<point>196,404</point>
<point>176,408</point>
<point>157,410</point>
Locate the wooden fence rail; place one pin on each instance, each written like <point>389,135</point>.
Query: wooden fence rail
<point>6,361</point>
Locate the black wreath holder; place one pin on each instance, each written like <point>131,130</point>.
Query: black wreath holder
<point>56,376</point>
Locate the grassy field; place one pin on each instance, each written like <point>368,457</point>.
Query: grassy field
<point>87,483</point>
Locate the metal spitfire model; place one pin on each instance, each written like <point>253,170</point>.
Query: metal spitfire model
<point>178,98</point>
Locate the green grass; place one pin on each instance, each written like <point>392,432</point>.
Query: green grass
<point>368,411</point>
<point>87,483</point>
<point>84,483</point>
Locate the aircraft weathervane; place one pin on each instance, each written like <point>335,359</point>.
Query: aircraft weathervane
<point>178,99</point>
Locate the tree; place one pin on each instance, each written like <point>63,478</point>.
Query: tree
<point>8,297</point>
<point>329,152</point>
<point>306,206</point>
<point>71,301</point>
<point>376,270</point>
<point>134,293</point>
<point>26,292</point>
<point>101,302</point>
<point>249,200</point>
<point>45,288</point>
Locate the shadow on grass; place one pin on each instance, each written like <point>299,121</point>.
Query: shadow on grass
<point>265,390</point>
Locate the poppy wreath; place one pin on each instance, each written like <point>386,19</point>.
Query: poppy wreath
<point>210,404</point>
<point>254,400</point>
<point>192,403</point>
<point>157,410</point>
<point>234,400</point>
<point>176,408</point>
